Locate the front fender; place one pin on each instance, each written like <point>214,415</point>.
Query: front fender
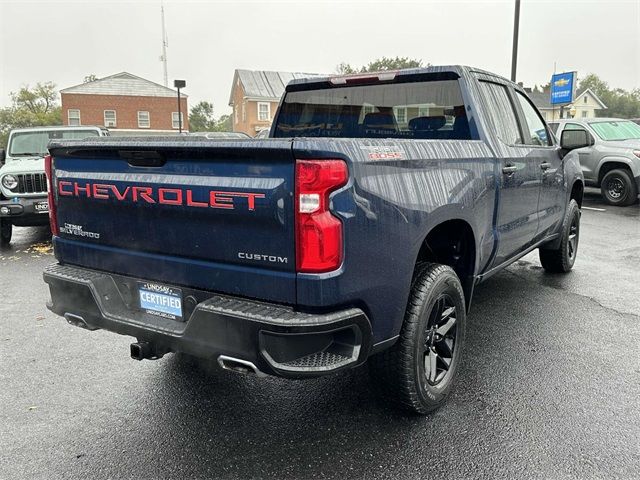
<point>633,163</point>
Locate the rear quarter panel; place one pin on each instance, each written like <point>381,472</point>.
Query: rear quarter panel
<point>388,208</point>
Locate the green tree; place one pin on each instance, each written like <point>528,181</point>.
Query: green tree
<point>345,69</point>
<point>397,63</point>
<point>620,103</point>
<point>223,124</point>
<point>202,119</point>
<point>31,107</point>
<point>89,78</point>
<point>382,63</point>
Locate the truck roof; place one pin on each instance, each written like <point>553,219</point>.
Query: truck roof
<point>459,70</point>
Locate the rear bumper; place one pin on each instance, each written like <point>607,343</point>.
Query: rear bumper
<point>276,339</point>
<point>22,211</point>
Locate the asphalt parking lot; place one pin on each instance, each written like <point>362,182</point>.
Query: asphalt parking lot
<point>549,388</point>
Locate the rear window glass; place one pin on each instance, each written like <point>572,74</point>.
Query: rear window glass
<point>424,110</point>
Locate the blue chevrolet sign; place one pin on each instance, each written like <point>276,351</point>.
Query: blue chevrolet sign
<point>562,87</point>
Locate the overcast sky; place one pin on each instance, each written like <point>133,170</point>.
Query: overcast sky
<point>63,41</point>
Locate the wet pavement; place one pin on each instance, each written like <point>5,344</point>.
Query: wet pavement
<point>549,388</point>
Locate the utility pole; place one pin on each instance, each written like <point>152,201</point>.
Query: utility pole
<point>165,44</point>
<point>514,53</point>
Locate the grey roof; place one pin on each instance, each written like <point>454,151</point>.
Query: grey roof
<point>540,99</point>
<point>265,84</point>
<point>123,84</point>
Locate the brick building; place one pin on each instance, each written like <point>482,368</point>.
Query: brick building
<point>124,103</point>
<point>255,96</point>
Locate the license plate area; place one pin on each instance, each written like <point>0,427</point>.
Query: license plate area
<point>160,300</point>
<point>41,207</point>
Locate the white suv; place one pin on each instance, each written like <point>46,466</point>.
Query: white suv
<point>23,184</point>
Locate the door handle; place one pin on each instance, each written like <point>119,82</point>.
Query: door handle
<point>509,169</point>
<point>545,166</point>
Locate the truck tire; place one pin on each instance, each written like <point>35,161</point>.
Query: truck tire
<point>6,229</point>
<point>561,259</point>
<point>417,372</point>
<point>618,188</point>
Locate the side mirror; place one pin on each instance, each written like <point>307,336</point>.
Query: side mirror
<point>572,139</point>
<point>3,156</point>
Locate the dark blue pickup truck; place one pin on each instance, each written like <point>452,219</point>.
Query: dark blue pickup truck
<point>357,231</point>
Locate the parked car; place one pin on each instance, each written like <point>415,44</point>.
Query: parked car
<point>263,133</point>
<point>304,256</point>
<point>23,186</point>
<point>612,160</point>
<point>216,135</point>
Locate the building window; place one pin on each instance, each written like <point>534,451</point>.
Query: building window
<point>143,120</point>
<point>175,120</point>
<point>585,99</point>
<point>401,114</point>
<point>584,114</point>
<point>74,117</point>
<point>423,111</point>
<point>264,111</point>
<point>109,118</point>
<point>236,117</point>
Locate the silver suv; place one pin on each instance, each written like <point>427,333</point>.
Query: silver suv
<point>612,162</point>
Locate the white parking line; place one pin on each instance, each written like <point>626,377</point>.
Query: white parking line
<point>596,209</point>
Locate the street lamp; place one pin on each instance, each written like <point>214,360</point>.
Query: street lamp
<point>514,51</point>
<point>179,84</point>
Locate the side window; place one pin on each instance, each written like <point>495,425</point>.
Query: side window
<point>500,112</point>
<point>537,133</point>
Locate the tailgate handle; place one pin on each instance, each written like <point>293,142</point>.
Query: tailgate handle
<point>143,158</point>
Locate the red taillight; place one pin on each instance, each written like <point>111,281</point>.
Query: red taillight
<point>318,231</point>
<point>53,219</point>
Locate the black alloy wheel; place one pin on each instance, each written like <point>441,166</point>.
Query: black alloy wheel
<point>418,371</point>
<point>440,339</point>
<point>574,236</point>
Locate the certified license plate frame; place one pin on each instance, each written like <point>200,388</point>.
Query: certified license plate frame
<point>41,206</point>
<point>160,300</point>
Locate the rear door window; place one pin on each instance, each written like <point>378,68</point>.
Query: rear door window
<point>501,113</point>
<point>431,109</point>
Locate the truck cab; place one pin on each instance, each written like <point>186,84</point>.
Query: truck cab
<point>23,185</point>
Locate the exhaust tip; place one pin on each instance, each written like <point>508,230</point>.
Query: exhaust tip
<point>77,321</point>
<point>238,365</point>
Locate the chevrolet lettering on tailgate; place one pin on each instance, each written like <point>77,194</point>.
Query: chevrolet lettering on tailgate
<point>164,196</point>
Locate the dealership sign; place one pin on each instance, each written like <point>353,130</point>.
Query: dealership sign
<point>562,87</point>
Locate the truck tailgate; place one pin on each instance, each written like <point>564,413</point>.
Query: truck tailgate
<point>216,215</point>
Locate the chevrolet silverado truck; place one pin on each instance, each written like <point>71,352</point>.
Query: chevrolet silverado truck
<point>356,232</point>
<point>23,185</point>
